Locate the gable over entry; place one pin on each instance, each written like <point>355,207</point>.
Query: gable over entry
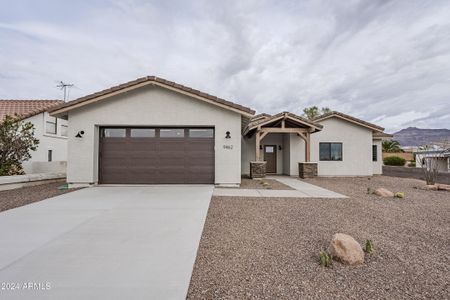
<point>284,122</point>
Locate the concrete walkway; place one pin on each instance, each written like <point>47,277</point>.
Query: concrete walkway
<point>301,190</point>
<point>104,243</point>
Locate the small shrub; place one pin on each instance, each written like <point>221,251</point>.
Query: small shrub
<point>325,259</point>
<point>412,164</point>
<point>369,247</point>
<point>399,195</point>
<point>370,190</point>
<point>394,161</point>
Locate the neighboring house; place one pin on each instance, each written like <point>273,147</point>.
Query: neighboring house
<point>156,131</point>
<point>441,159</point>
<point>51,153</point>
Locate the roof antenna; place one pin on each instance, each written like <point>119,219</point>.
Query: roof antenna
<point>66,87</point>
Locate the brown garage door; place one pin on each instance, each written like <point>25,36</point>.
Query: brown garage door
<point>156,155</point>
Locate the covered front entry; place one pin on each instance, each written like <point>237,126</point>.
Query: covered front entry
<point>281,144</point>
<point>156,155</point>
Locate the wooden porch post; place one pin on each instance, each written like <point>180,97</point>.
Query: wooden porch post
<point>257,138</point>
<point>307,147</point>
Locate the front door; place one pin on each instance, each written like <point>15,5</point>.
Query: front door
<point>270,156</point>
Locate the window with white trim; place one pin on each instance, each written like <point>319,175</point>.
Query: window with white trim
<point>51,125</point>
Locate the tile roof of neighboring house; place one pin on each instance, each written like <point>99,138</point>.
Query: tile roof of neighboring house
<point>382,134</point>
<point>156,81</point>
<point>261,116</point>
<point>26,108</point>
<point>349,118</point>
<point>263,119</point>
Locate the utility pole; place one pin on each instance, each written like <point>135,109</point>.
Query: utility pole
<point>65,86</point>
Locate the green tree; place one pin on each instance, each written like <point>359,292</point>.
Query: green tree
<point>16,141</point>
<point>313,112</point>
<point>391,146</point>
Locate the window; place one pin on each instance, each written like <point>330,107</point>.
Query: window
<point>330,151</point>
<point>49,155</point>
<point>171,133</point>
<point>201,133</point>
<point>374,153</point>
<point>50,125</point>
<point>269,149</point>
<point>64,129</point>
<point>142,133</point>
<point>114,132</point>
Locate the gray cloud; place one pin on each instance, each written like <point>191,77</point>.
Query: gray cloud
<point>384,61</point>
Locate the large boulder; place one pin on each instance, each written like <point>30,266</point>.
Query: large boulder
<point>382,192</point>
<point>346,249</point>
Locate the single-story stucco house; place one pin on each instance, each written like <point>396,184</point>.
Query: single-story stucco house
<point>51,153</point>
<point>151,130</point>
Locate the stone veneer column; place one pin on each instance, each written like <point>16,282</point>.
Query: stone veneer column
<point>258,169</point>
<point>307,169</point>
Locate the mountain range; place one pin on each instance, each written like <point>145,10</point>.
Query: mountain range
<point>413,136</point>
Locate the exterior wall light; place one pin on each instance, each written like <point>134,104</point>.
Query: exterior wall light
<point>80,134</point>
<point>280,148</point>
<point>227,135</point>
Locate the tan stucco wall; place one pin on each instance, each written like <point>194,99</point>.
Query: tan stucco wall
<point>378,165</point>
<point>38,163</point>
<point>357,149</point>
<point>151,106</point>
<point>297,153</point>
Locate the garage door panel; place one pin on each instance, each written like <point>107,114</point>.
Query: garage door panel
<point>142,160</point>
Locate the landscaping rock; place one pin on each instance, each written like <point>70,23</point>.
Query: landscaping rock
<point>346,249</point>
<point>429,187</point>
<point>382,192</point>
<point>443,187</point>
<point>435,187</point>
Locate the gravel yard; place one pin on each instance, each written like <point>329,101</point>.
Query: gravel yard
<point>267,248</point>
<point>26,195</point>
<point>258,184</point>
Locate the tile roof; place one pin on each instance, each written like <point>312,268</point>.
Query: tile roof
<point>349,118</point>
<point>383,134</point>
<point>267,119</point>
<point>161,82</point>
<point>26,108</point>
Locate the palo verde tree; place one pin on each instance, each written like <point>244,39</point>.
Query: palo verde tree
<point>16,141</point>
<point>313,112</point>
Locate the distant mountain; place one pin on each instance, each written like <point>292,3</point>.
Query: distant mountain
<point>413,136</point>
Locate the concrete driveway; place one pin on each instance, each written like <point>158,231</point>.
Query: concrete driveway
<point>104,243</point>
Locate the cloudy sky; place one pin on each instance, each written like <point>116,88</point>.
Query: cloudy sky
<point>384,61</point>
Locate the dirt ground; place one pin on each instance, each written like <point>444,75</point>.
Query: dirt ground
<point>14,198</point>
<point>267,248</point>
<point>263,184</point>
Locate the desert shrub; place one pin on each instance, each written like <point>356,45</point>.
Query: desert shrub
<point>369,247</point>
<point>325,258</point>
<point>394,161</point>
<point>412,164</point>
